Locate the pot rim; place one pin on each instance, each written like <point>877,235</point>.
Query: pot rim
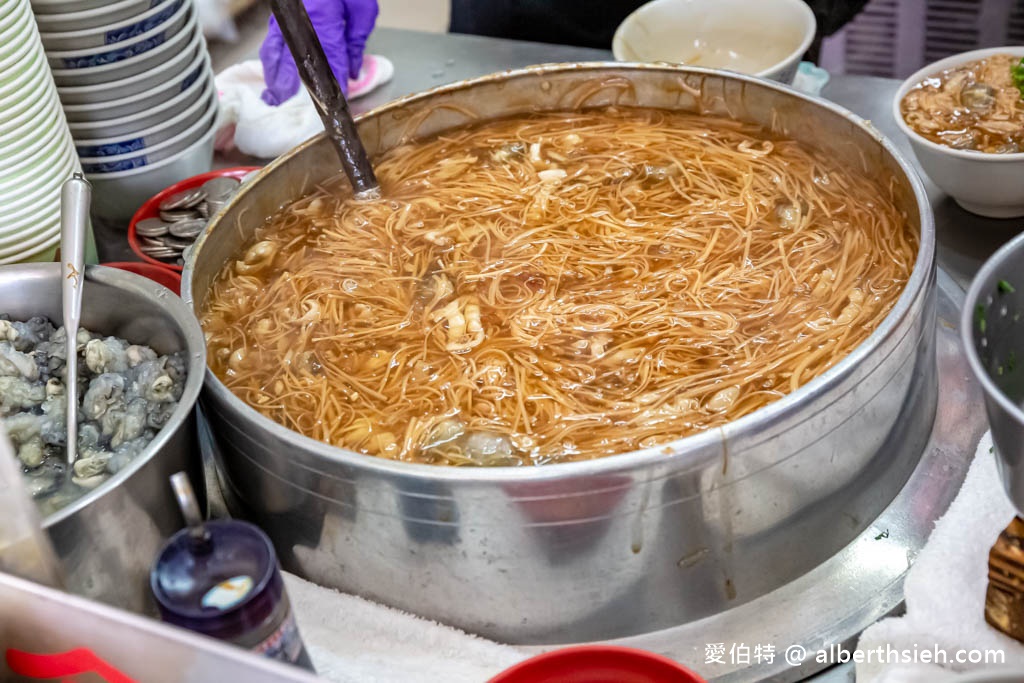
<point>791,403</point>
<point>992,267</point>
<point>195,345</point>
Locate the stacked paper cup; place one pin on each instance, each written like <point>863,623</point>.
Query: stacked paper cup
<point>135,80</point>
<point>36,153</point>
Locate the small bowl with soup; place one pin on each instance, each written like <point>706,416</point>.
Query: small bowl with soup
<point>964,117</point>
<point>766,38</point>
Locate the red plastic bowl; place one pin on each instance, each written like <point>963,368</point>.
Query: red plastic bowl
<point>162,275</point>
<point>151,209</point>
<point>598,664</point>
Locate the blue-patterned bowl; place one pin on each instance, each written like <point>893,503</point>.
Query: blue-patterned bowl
<point>150,100</point>
<point>113,33</point>
<point>177,73</point>
<point>78,15</point>
<point>146,156</point>
<point>119,51</point>
<point>131,138</point>
<point>158,50</point>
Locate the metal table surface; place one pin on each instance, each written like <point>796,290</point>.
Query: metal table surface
<point>425,60</point>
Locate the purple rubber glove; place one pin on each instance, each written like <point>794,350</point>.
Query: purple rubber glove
<point>342,26</point>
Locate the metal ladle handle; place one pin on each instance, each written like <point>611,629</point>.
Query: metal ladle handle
<point>330,102</point>
<point>75,197</point>
<point>188,504</point>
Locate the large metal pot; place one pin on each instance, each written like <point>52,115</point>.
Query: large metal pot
<point>993,337</point>
<point>625,544</point>
<point>108,538</point>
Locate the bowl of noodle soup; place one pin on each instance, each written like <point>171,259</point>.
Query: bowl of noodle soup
<point>628,331</point>
<point>973,156</point>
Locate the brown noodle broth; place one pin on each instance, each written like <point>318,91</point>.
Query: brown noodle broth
<point>974,106</point>
<point>684,272</point>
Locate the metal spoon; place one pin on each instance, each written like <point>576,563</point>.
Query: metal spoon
<point>74,212</point>
<point>330,102</point>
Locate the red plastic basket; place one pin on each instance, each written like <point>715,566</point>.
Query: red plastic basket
<point>151,209</point>
<point>162,275</point>
<point>598,664</point>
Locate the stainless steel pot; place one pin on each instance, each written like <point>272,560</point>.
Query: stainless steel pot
<point>993,334</point>
<point>625,544</point>
<point>108,538</point>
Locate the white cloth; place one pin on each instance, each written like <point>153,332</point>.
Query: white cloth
<point>945,589</point>
<point>259,130</point>
<point>352,640</point>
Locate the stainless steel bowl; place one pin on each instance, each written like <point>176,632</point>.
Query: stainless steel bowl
<point>108,538</point>
<point>621,545</point>
<point>993,334</point>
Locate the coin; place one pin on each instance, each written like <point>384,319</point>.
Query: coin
<point>151,227</point>
<point>175,215</point>
<point>176,243</point>
<point>185,199</point>
<point>204,209</point>
<point>189,229</point>
<point>220,188</point>
<point>151,242</point>
<point>214,206</point>
<point>160,252</point>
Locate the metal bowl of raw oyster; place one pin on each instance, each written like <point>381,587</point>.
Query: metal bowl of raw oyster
<point>993,334</point>
<point>621,545</point>
<point>107,538</point>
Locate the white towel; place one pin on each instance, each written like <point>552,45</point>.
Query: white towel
<point>259,130</point>
<point>352,640</point>
<point>945,589</point>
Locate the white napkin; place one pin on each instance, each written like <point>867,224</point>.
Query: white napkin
<point>945,589</point>
<point>259,130</point>
<point>352,640</point>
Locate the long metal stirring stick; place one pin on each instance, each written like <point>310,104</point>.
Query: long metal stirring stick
<point>327,96</point>
<point>74,212</point>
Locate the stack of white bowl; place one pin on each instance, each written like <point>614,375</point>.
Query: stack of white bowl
<point>135,80</point>
<point>36,153</point>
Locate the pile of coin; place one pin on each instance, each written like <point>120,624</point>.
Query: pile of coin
<point>183,217</point>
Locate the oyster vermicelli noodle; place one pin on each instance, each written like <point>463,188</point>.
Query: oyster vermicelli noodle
<point>558,287</point>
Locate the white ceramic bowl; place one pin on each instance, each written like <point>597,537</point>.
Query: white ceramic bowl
<point>14,233</point>
<point>29,224</point>
<point>116,196</point>
<point>34,134</point>
<point>31,76</point>
<point>26,46</point>
<point>30,130</point>
<point>15,23</point>
<point>764,38</point>
<point>43,189</point>
<point>7,8</point>
<point>986,184</point>
<point>57,15</point>
<point>15,28</point>
<point>25,163</point>
<point>129,140</point>
<point>167,74</point>
<point>123,50</point>
<point>197,70</point>
<point>15,190</point>
<point>125,68</point>
<point>11,12</point>
<point>33,107</point>
<point>41,242</point>
<point>152,155</point>
<point>111,33</point>
<point>63,6</point>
